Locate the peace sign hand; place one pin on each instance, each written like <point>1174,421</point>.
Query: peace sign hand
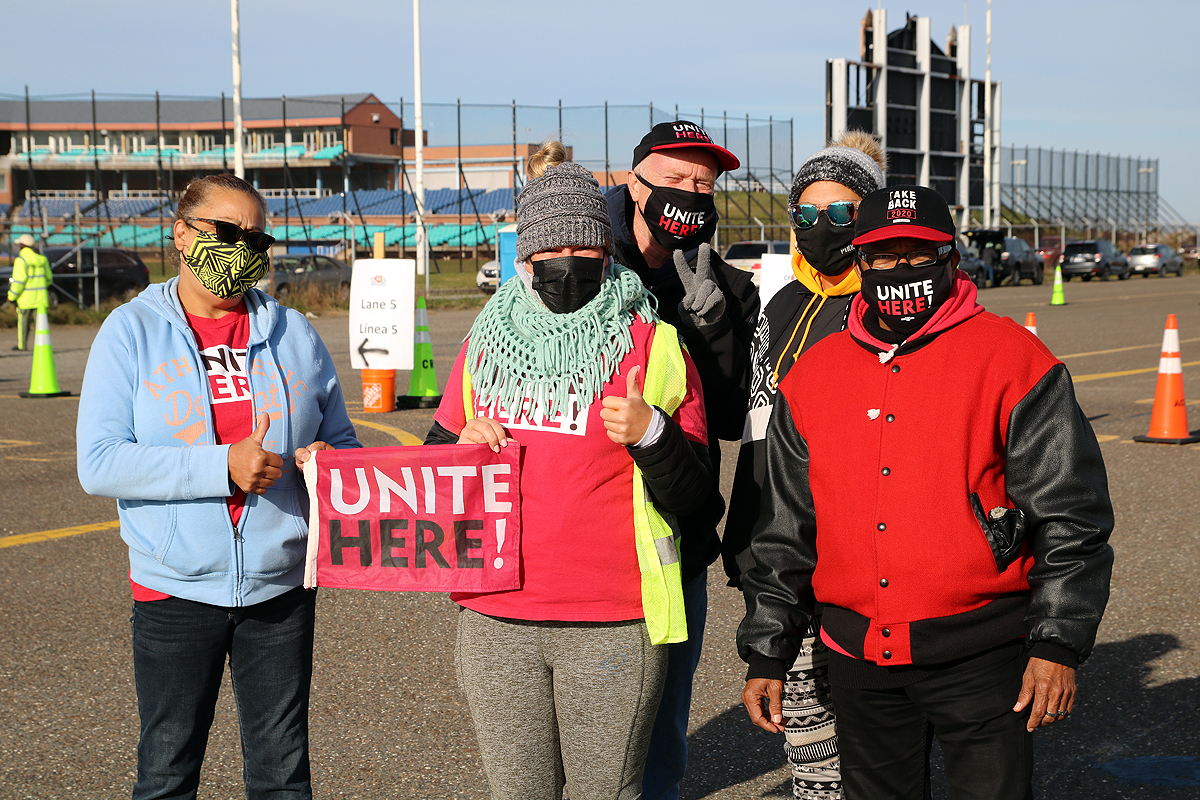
<point>703,302</point>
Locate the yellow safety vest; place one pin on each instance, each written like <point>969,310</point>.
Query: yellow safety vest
<point>30,283</point>
<point>655,540</point>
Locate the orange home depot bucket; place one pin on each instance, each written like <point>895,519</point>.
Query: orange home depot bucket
<point>379,389</point>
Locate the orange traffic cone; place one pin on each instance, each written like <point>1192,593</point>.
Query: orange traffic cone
<point>1031,323</point>
<point>1168,419</point>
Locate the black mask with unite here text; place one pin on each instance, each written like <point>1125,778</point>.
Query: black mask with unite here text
<point>678,219</point>
<point>905,298</point>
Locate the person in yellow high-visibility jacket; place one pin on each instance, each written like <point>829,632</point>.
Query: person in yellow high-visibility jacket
<point>29,287</point>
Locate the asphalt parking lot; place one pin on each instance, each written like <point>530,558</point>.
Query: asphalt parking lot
<point>388,720</point>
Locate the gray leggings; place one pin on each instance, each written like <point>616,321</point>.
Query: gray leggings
<point>556,702</point>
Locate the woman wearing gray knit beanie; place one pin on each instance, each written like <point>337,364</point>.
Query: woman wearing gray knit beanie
<point>822,207</point>
<point>571,363</point>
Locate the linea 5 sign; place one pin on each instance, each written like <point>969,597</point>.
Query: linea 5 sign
<point>382,296</point>
<point>438,518</point>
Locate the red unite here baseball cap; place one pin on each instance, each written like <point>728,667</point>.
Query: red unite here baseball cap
<point>903,212</point>
<point>681,133</point>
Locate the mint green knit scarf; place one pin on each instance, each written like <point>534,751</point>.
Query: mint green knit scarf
<point>518,348</point>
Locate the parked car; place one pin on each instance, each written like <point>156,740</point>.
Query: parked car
<point>120,272</point>
<point>1157,259</point>
<point>1049,248</point>
<point>293,273</point>
<point>971,265</point>
<point>1015,259</point>
<point>748,255</point>
<point>1091,258</point>
<point>488,277</point>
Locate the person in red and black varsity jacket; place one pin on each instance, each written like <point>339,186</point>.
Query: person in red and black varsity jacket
<point>933,482</point>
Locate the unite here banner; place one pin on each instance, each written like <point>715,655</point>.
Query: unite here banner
<point>436,518</point>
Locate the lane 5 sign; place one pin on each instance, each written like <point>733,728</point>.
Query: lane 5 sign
<point>382,296</point>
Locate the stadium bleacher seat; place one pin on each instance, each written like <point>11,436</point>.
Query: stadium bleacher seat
<point>331,152</point>
<point>55,207</point>
<point>120,207</point>
<point>395,205</point>
<point>495,200</point>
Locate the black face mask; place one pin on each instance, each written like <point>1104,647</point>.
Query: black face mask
<point>907,297</point>
<point>678,219</point>
<point>567,283</point>
<point>827,247</point>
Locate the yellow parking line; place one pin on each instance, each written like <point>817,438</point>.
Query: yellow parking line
<point>1124,349</point>
<point>403,436</point>
<point>27,538</point>
<point>1099,375</point>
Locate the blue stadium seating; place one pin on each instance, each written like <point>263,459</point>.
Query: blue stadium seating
<point>495,200</point>
<point>55,207</point>
<point>400,203</point>
<point>120,207</point>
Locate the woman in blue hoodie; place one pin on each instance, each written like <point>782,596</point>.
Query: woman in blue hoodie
<point>193,393</point>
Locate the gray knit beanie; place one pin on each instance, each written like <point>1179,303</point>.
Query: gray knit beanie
<point>562,208</point>
<point>848,166</point>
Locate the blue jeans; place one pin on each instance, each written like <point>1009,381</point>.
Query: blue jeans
<point>179,652</point>
<point>667,760</point>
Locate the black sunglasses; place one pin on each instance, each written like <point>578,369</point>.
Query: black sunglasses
<point>229,233</point>
<point>839,214</point>
<point>934,257</point>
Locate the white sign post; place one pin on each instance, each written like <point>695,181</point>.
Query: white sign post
<point>382,297</point>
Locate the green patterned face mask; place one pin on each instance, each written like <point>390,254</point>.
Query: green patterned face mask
<point>226,270</point>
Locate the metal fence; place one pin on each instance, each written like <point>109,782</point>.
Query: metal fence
<point>602,137</point>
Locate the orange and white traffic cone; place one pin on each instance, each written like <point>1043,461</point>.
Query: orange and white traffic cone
<point>1031,323</point>
<point>1168,419</point>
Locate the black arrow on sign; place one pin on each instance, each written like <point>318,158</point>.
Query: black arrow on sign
<point>363,350</point>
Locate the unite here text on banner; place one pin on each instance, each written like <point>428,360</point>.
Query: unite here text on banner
<point>437,518</point>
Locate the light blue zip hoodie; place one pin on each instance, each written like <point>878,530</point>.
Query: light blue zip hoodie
<point>145,437</point>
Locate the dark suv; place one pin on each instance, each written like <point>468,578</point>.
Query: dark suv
<point>120,271</point>
<point>1012,258</point>
<point>1095,257</point>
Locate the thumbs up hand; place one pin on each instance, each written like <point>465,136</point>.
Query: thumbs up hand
<point>253,469</point>
<point>627,418</point>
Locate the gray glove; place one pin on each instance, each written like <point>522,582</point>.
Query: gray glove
<point>703,303</point>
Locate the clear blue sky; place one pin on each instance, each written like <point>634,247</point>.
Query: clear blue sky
<point>1098,75</point>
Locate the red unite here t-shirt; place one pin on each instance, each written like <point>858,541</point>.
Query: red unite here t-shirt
<point>223,344</point>
<point>578,557</point>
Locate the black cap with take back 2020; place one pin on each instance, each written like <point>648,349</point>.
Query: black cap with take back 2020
<point>681,133</point>
<point>903,212</point>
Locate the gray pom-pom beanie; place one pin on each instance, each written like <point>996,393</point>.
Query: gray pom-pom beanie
<point>562,208</point>
<point>848,166</point>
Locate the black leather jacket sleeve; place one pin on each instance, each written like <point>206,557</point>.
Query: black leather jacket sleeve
<point>783,544</point>
<point>677,470</point>
<point>438,434</point>
<point>1055,475</point>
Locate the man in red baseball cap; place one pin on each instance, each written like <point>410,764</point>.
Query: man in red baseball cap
<point>663,219</point>
<point>932,481</point>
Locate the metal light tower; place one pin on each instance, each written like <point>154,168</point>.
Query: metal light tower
<point>422,250</point>
<point>239,159</point>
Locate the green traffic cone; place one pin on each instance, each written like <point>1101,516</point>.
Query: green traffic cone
<point>422,381</point>
<point>43,380</point>
<point>1056,299</point>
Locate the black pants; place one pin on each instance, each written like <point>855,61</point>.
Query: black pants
<point>988,752</point>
